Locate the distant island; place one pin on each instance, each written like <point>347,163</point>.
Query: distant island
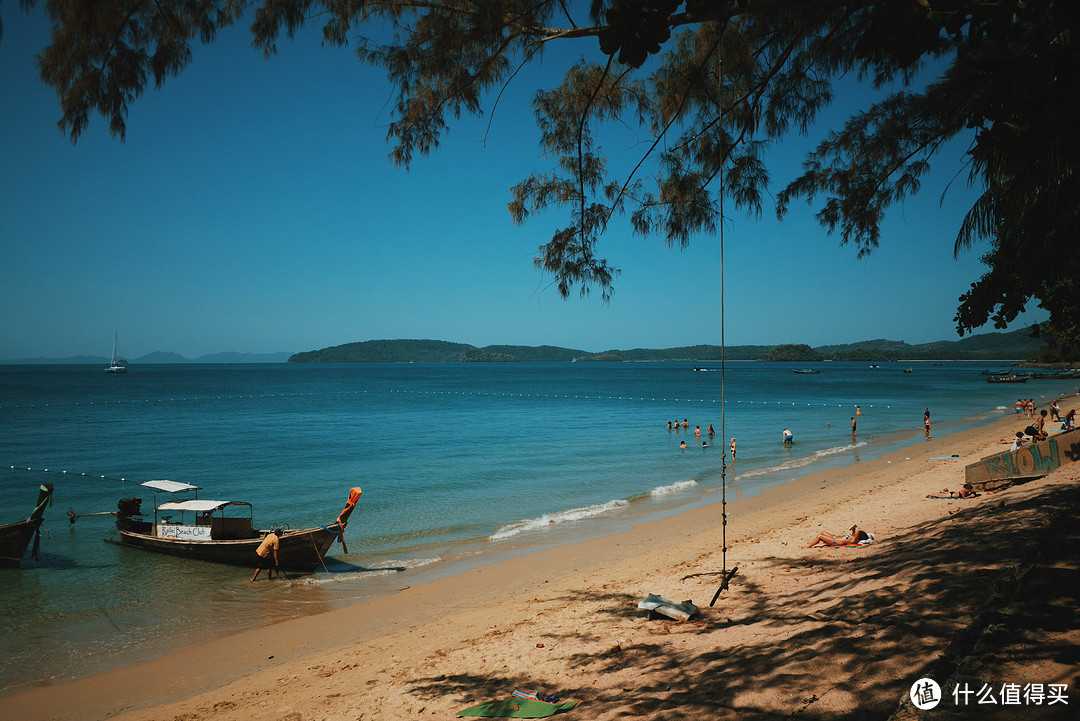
<point>1012,346</point>
<point>1016,345</point>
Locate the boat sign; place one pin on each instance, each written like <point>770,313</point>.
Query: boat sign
<point>185,533</point>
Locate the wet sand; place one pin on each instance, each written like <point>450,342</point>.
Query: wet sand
<point>963,591</point>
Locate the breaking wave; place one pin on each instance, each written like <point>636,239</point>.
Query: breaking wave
<point>676,487</point>
<point>554,519</point>
<point>795,463</point>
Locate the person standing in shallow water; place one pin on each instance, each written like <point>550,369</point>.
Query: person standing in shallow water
<point>267,554</point>
<point>926,422</point>
<point>733,449</point>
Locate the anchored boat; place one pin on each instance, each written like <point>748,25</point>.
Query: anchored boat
<point>221,531</point>
<point>15,537</point>
<point>118,364</point>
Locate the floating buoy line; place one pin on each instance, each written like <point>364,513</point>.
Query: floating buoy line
<point>418,392</point>
<point>71,473</point>
<point>182,399</point>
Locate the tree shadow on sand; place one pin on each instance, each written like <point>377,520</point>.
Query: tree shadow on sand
<point>855,630</point>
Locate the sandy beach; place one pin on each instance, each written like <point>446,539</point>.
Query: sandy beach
<point>977,591</point>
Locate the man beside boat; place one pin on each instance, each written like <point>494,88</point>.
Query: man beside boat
<point>267,553</point>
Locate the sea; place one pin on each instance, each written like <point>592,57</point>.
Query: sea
<point>460,464</point>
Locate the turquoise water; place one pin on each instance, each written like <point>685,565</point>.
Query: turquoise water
<point>459,463</point>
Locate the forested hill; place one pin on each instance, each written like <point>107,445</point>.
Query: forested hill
<point>1016,345</point>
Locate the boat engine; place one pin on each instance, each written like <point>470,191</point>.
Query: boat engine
<point>128,507</point>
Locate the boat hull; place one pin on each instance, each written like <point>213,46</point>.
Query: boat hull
<point>15,537</point>
<point>14,540</point>
<point>300,550</point>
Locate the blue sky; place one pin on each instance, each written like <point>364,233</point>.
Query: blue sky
<point>253,208</point>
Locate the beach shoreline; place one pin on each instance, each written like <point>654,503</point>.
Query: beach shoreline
<point>564,619</point>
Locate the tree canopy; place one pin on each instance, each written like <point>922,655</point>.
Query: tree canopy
<point>712,84</point>
<point>792,352</point>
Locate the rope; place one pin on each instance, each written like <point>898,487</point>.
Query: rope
<point>723,339</point>
<point>311,537</point>
<point>725,577</point>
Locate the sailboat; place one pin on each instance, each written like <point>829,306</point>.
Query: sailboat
<point>118,365</point>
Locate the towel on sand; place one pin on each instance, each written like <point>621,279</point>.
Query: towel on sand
<point>517,708</point>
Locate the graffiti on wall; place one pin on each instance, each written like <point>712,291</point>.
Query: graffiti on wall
<point>1032,461</point>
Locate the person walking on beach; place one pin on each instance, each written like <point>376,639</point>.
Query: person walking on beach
<point>267,553</point>
<point>733,449</point>
<point>1055,411</point>
<point>926,420</point>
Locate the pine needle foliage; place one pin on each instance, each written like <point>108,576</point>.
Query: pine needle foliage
<point>711,85</point>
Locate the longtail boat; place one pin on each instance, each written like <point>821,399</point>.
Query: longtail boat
<point>221,531</point>
<point>15,537</point>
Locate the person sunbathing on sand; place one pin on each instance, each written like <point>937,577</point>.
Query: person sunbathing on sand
<point>968,491</point>
<point>853,537</point>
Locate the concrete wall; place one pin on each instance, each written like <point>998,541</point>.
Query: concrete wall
<point>1031,461</point>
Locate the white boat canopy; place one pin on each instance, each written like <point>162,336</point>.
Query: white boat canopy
<point>198,506</point>
<point>170,486</point>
